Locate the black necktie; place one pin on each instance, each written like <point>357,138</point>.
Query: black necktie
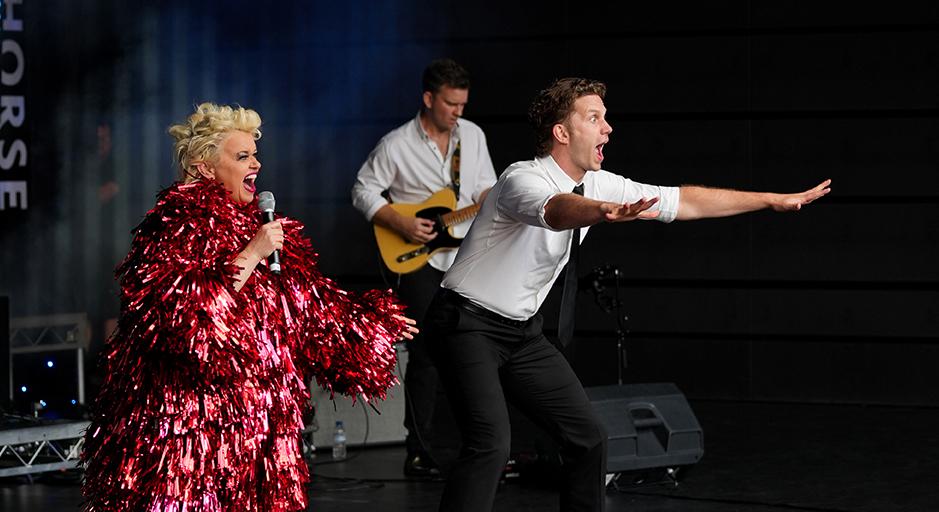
<point>569,295</point>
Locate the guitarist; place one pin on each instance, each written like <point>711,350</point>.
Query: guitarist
<point>434,150</point>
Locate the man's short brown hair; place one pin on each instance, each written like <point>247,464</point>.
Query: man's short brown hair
<point>552,106</point>
<point>444,72</point>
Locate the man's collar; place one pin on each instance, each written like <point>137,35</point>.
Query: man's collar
<point>557,175</point>
<point>454,133</point>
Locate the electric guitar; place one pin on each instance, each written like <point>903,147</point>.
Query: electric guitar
<point>402,256</point>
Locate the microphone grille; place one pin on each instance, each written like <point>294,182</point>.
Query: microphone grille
<point>266,201</point>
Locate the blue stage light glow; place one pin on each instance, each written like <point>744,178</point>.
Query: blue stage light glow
<point>23,389</point>
<point>50,364</point>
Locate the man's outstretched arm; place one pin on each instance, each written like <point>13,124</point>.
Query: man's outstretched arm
<point>701,202</point>
<point>567,211</point>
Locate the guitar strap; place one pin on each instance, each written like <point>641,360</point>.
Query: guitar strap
<point>455,171</point>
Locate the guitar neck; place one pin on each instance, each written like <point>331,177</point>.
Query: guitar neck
<point>461,215</point>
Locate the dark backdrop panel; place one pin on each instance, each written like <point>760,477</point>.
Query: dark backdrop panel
<point>565,21</point>
<point>864,243</point>
<point>771,96</point>
<point>677,152</point>
<point>867,71</point>
<point>872,159</point>
<point>717,310</point>
<point>668,73</point>
<point>861,243</point>
<point>844,371</point>
<point>712,369</point>
<point>509,140</point>
<point>780,370</point>
<point>504,71</point>
<point>859,16</point>
<point>649,74</point>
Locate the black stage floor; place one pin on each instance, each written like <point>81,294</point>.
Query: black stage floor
<point>758,458</point>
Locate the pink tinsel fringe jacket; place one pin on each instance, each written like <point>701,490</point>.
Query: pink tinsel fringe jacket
<point>200,408</point>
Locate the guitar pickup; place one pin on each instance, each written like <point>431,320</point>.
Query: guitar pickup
<point>413,254</point>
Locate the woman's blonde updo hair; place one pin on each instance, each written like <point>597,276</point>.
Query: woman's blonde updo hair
<point>199,138</point>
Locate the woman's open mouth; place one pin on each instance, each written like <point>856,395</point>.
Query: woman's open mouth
<point>248,182</point>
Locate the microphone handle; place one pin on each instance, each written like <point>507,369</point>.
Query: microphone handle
<point>273,261</point>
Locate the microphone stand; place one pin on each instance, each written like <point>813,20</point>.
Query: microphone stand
<point>614,306</point>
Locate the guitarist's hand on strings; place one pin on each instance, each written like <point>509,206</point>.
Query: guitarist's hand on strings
<point>416,229</point>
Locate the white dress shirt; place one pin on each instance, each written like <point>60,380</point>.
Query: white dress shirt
<point>511,256</point>
<point>408,163</point>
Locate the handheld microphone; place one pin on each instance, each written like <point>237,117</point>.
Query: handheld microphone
<point>266,205</point>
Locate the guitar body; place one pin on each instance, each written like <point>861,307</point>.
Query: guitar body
<point>403,257</point>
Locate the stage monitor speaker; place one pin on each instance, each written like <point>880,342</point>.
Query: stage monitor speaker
<point>648,426</point>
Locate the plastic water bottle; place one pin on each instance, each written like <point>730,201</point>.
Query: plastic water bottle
<point>339,442</point>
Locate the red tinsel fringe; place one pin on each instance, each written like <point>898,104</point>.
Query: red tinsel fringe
<point>200,409</point>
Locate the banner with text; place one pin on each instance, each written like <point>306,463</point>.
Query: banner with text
<point>14,142</point>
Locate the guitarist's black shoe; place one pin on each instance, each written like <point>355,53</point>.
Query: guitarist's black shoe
<point>421,466</point>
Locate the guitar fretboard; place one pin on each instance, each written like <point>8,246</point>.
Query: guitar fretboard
<point>458,216</point>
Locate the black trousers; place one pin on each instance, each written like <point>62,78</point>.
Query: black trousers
<point>484,361</point>
<point>416,290</point>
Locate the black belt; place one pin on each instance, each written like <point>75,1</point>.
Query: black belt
<point>476,309</point>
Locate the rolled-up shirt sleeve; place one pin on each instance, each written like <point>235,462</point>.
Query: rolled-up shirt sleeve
<point>523,198</point>
<point>375,176</point>
<point>668,198</point>
<point>617,189</point>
